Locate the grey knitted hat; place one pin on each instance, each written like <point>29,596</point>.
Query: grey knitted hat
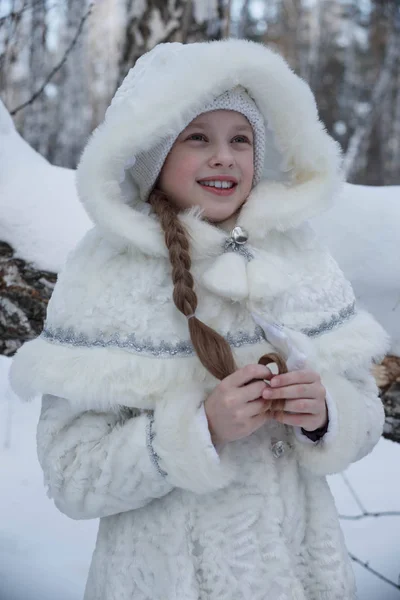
<point>149,164</point>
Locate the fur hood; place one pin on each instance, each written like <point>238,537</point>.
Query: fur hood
<point>173,81</point>
<point>113,335</point>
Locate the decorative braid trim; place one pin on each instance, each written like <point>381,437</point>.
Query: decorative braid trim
<point>150,435</point>
<point>334,321</point>
<point>58,335</point>
<point>145,347</point>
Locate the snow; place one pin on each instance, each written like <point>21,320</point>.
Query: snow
<point>362,232</point>
<point>44,555</point>
<point>41,216</point>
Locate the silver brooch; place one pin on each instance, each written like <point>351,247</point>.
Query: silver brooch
<point>239,235</point>
<point>236,242</point>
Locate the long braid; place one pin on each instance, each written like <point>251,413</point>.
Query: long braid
<point>212,349</point>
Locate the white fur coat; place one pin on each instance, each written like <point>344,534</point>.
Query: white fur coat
<point>122,435</point>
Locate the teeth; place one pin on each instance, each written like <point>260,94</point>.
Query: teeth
<point>218,184</point>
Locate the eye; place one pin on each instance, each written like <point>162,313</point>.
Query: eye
<point>197,137</point>
<point>241,139</point>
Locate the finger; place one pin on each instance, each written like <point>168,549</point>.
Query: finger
<point>251,391</point>
<point>303,390</point>
<point>294,378</point>
<point>301,405</point>
<point>246,375</point>
<point>258,421</point>
<point>252,409</point>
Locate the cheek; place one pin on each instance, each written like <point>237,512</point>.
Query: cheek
<point>179,168</point>
<point>248,171</point>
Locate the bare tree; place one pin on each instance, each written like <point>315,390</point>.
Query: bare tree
<point>73,115</point>
<point>34,117</point>
<point>359,142</point>
<point>105,32</point>
<point>156,21</point>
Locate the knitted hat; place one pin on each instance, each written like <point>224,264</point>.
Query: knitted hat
<point>149,164</point>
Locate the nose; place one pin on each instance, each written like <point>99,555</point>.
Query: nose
<point>222,156</point>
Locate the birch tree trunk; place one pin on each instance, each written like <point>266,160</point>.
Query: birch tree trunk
<point>156,21</point>
<point>106,30</point>
<point>359,142</point>
<point>35,131</point>
<point>73,114</point>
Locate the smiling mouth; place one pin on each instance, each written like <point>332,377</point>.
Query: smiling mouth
<point>219,188</point>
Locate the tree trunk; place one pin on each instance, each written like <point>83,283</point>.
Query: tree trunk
<point>24,295</point>
<point>35,129</point>
<point>156,21</point>
<point>73,113</point>
<point>361,154</point>
<point>391,401</point>
<point>387,376</point>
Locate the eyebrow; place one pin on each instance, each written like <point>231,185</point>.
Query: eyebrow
<point>204,125</point>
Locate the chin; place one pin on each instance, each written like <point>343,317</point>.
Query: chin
<point>218,216</point>
<point>213,218</point>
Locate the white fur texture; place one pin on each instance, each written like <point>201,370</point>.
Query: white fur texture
<point>186,453</point>
<point>96,464</point>
<point>227,277</point>
<point>359,419</point>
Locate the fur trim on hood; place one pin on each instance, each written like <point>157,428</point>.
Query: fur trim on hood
<point>173,81</point>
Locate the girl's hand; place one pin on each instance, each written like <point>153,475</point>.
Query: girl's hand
<point>235,408</point>
<point>305,396</point>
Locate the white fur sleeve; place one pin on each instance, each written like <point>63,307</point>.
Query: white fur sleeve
<point>359,418</point>
<point>96,464</point>
<point>183,446</point>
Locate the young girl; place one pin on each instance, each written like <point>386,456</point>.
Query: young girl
<point>206,470</point>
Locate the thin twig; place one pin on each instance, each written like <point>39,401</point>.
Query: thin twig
<point>366,514</point>
<point>58,65</point>
<point>388,513</point>
<point>13,15</point>
<point>353,493</point>
<point>368,568</point>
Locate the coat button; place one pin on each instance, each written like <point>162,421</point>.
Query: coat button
<point>278,449</point>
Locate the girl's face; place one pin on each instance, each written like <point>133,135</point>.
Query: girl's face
<point>211,165</point>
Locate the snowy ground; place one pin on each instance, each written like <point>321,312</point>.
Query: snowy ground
<point>44,555</point>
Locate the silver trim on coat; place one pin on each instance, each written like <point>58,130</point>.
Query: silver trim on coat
<point>146,347</point>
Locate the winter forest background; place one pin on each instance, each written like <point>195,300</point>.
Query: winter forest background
<point>60,63</point>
